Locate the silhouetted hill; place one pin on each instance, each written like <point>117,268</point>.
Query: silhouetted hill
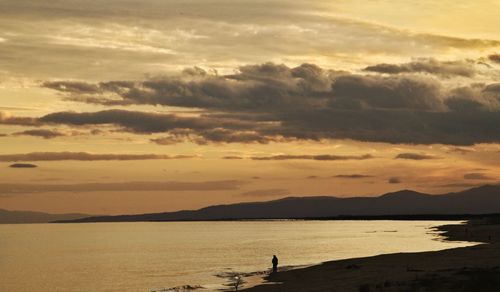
<point>481,200</point>
<point>7,217</point>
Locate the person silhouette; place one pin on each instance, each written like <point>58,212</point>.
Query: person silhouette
<point>275,264</point>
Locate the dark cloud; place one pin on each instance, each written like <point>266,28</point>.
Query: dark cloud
<point>274,103</point>
<point>122,187</point>
<point>147,122</point>
<point>352,176</point>
<point>140,122</point>
<point>72,86</point>
<point>272,88</point>
<point>431,66</point>
<point>393,126</point>
<point>394,180</point>
<point>23,165</point>
<point>413,127</point>
<point>477,175</point>
<point>494,58</point>
<point>83,156</point>
<point>43,133</point>
<point>461,150</point>
<point>170,140</point>
<point>493,88</point>
<point>322,157</point>
<point>375,92</point>
<point>266,193</point>
<point>232,157</point>
<point>415,156</point>
<point>254,87</point>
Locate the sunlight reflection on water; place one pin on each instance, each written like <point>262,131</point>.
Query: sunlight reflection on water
<point>154,256</point>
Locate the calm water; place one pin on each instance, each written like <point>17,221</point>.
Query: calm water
<point>148,256</point>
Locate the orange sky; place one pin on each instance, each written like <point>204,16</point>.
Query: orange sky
<point>151,106</point>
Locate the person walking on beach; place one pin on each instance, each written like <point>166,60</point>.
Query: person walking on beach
<point>275,264</point>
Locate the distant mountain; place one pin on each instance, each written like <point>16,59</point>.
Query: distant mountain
<point>8,217</point>
<point>481,200</point>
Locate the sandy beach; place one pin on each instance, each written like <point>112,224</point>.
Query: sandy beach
<point>474,268</point>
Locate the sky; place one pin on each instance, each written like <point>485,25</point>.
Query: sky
<point>127,106</point>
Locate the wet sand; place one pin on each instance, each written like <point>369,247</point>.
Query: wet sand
<point>474,268</point>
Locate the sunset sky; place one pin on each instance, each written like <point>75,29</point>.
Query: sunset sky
<point>128,106</point>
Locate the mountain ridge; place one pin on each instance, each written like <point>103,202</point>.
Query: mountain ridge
<point>479,200</point>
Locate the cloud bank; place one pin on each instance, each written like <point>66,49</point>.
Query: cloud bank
<point>431,66</point>
<point>415,156</point>
<point>43,133</point>
<point>323,157</point>
<point>83,156</point>
<point>352,176</point>
<point>275,103</point>
<point>23,165</point>
<point>266,193</point>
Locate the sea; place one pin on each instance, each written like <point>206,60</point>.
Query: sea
<point>165,256</point>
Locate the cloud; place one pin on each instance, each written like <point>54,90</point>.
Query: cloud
<point>352,176</point>
<point>270,103</point>
<point>254,87</point>
<point>217,135</point>
<point>147,122</point>
<point>72,86</point>
<point>220,135</point>
<point>412,127</point>
<point>322,157</point>
<point>23,165</point>
<point>461,150</point>
<point>121,186</point>
<point>270,88</point>
<point>431,66</point>
<point>477,176</point>
<point>83,156</point>
<point>415,156</point>
<point>375,92</point>
<point>266,193</point>
<point>169,140</point>
<point>280,30</point>
<point>140,122</point>
<point>494,58</point>
<point>232,157</point>
<point>394,180</point>
<point>43,133</point>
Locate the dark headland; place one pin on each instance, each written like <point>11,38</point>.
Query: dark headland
<point>475,268</point>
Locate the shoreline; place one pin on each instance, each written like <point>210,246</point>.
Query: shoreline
<point>455,269</point>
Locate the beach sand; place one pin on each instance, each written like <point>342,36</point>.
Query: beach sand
<point>474,268</point>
